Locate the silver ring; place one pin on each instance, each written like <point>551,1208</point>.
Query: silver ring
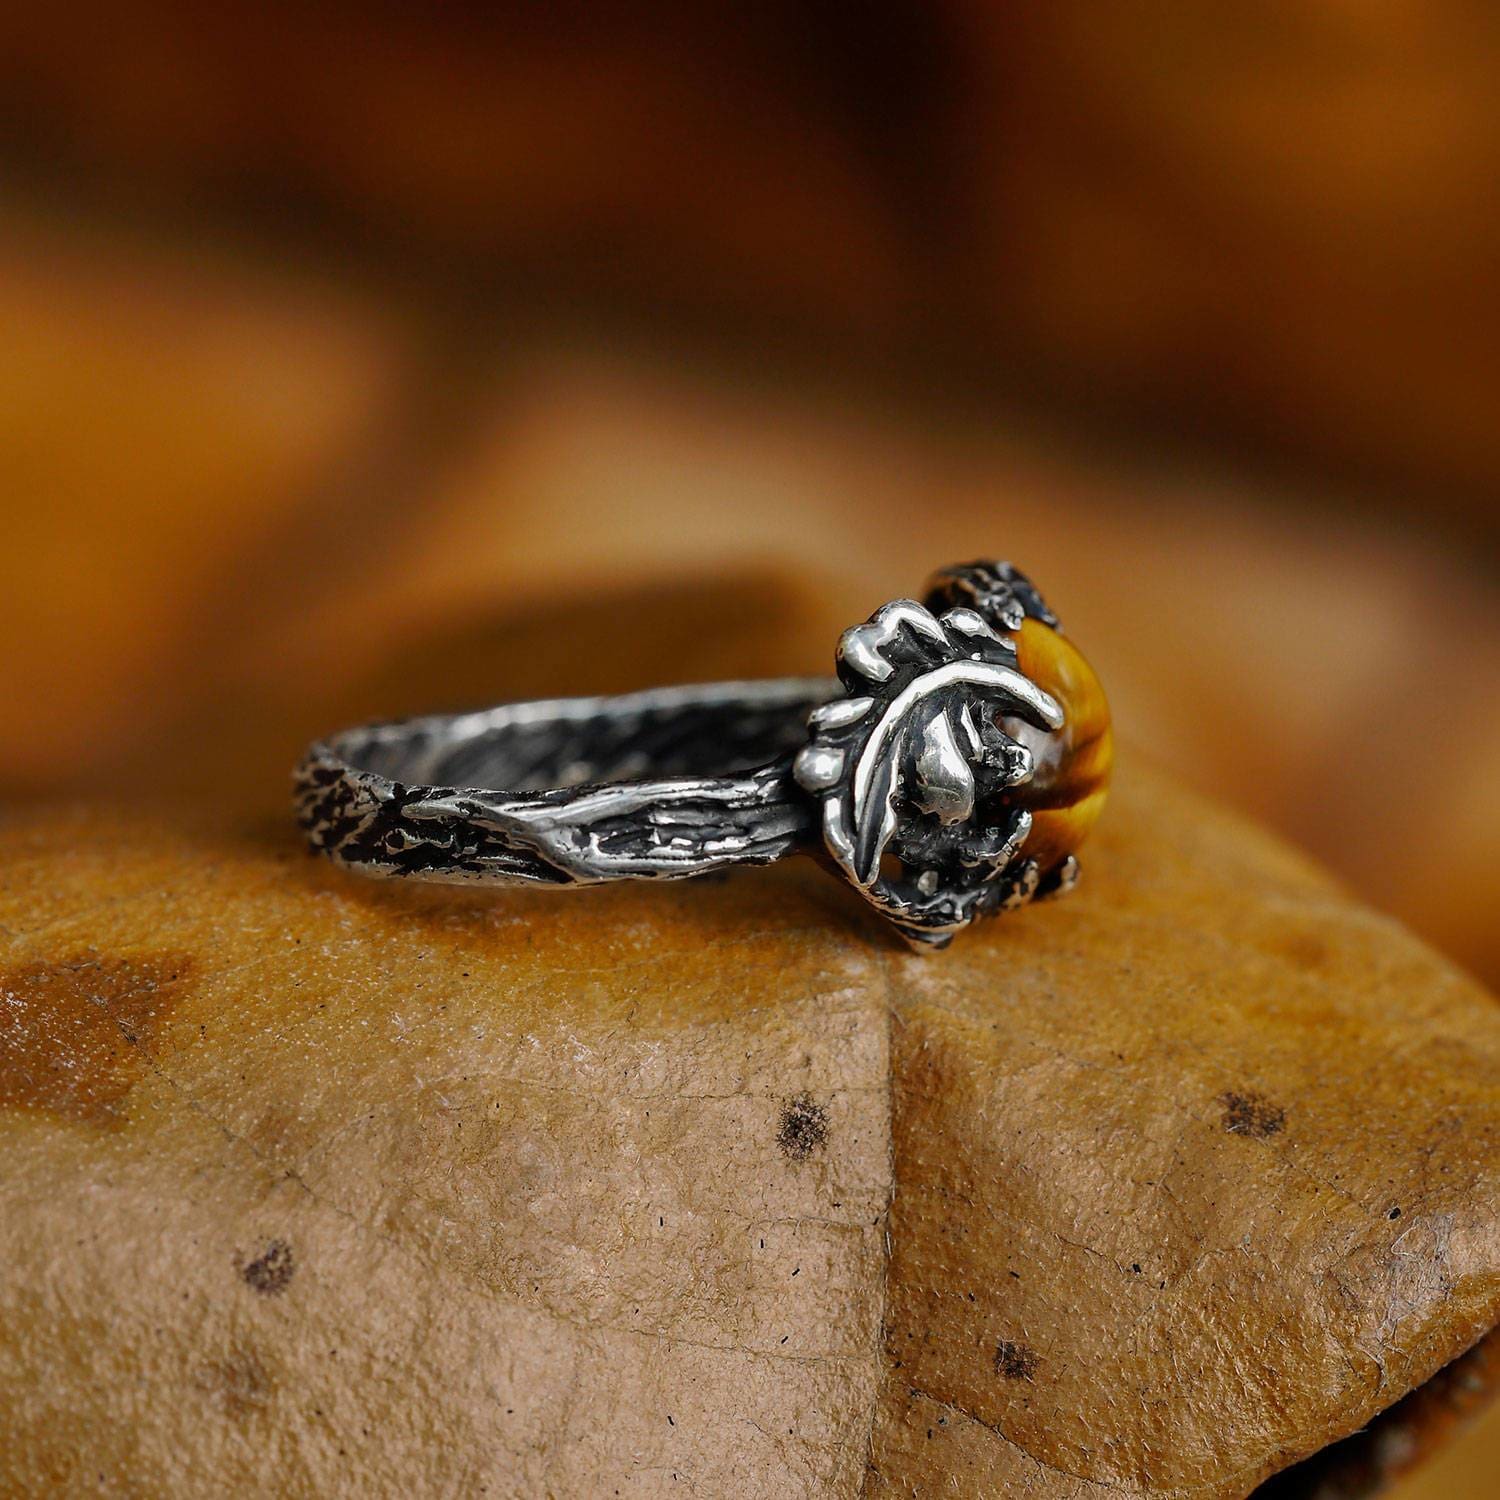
<point>949,770</point>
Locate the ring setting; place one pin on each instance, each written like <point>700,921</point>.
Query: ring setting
<point>949,771</point>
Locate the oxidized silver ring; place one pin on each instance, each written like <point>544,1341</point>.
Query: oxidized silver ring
<point>950,769</point>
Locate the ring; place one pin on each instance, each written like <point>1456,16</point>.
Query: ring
<point>950,770</point>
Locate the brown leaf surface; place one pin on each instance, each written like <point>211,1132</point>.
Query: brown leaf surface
<point>318,1187</point>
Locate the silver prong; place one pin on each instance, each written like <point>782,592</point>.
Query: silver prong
<point>840,713</point>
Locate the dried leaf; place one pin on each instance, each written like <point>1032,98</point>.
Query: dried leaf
<point>314,1186</point>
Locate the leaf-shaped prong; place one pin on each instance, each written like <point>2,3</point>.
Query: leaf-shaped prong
<point>876,779</point>
<point>862,647</point>
<point>971,623</point>
<point>818,767</point>
<point>874,817</point>
<point>944,780</point>
<point>839,714</point>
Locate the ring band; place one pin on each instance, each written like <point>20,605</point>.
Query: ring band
<point>949,770</point>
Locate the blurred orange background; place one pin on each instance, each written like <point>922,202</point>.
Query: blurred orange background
<point>347,348</point>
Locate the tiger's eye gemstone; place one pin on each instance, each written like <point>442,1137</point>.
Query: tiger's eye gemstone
<point>1067,789</point>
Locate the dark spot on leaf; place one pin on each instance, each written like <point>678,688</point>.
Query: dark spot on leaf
<point>271,1270</point>
<point>803,1128</point>
<point>1014,1361</point>
<point>75,1034</point>
<point>1252,1114</point>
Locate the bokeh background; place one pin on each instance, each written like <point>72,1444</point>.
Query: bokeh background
<point>358,359</point>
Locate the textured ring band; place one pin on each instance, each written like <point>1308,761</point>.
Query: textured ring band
<point>951,769</point>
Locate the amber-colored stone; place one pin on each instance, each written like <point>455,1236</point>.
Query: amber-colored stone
<point>1067,791</point>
